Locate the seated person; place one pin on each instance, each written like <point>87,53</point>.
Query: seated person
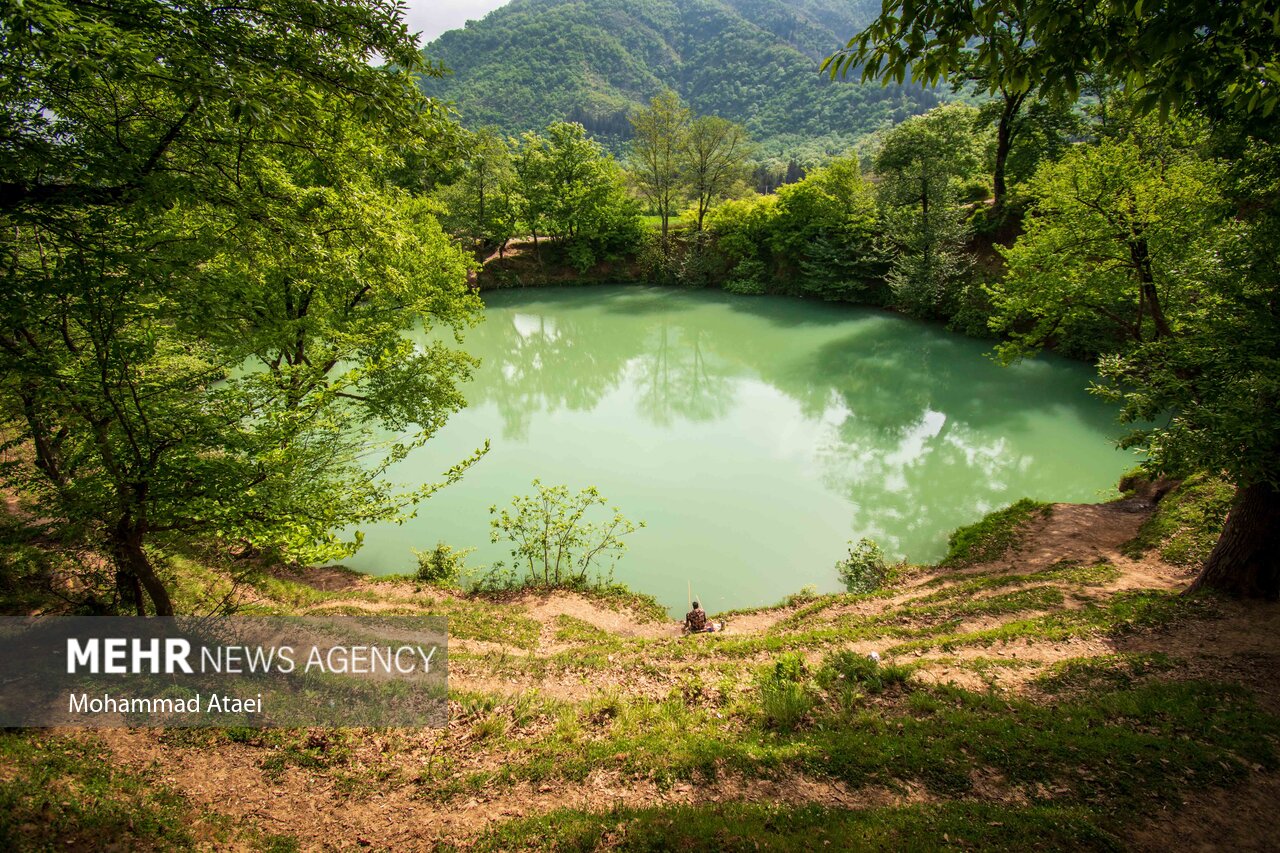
<point>695,621</point>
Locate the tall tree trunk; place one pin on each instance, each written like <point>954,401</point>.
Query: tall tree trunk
<point>1246,561</point>
<point>1140,254</point>
<point>1004,142</point>
<point>131,559</point>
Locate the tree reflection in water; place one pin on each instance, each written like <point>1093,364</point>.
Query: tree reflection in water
<point>762,433</point>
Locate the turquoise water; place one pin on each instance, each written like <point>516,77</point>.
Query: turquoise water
<point>754,435</point>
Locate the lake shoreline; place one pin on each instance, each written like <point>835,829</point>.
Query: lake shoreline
<point>763,433</point>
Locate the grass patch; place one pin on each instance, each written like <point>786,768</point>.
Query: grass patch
<point>743,826</point>
<point>1123,613</point>
<point>1065,571</point>
<point>66,794</point>
<point>1114,749</point>
<point>654,221</point>
<point>571,629</point>
<point>1079,675</point>
<point>473,619</point>
<point>617,596</point>
<point>993,536</point>
<point>1186,524</point>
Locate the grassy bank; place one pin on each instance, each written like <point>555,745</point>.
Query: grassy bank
<point>1055,701</point>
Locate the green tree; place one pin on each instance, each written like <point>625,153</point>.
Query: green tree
<point>1120,233</point>
<point>713,161</point>
<point>1219,58</point>
<point>921,165</point>
<point>742,231</point>
<point>1212,382</point>
<point>864,569</point>
<point>1138,232</point>
<point>818,237</point>
<point>483,205</point>
<point>554,541</point>
<point>207,271</point>
<point>659,136</point>
<point>827,224</point>
<point>575,193</point>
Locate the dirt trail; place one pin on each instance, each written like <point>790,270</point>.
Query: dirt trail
<point>1084,532</point>
<point>621,622</point>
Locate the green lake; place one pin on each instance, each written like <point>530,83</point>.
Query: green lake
<point>755,436</point>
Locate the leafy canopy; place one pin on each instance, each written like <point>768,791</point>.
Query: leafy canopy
<point>1222,58</point>
<point>209,270</point>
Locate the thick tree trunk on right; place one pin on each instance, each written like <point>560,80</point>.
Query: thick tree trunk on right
<point>1246,561</point>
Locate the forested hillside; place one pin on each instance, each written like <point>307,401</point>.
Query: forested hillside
<point>750,61</point>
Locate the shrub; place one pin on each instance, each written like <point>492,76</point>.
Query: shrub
<point>847,671</point>
<point>864,570</point>
<point>749,278</point>
<point>554,542</point>
<point>785,705</point>
<point>785,698</point>
<point>442,565</point>
<point>495,580</point>
<point>582,255</point>
<point>789,667</point>
<point>658,259</point>
<point>699,265</point>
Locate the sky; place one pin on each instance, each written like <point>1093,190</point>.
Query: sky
<point>432,17</point>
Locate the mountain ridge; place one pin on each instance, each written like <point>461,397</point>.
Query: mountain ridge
<point>752,61</point>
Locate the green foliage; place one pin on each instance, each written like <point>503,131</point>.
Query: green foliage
<point>554,542</point>
<point>846,671</point>
<point>1187,522</point>
<point>748,279</point>
<point>713,162</point>
<point>995,535</point>
<point>1042,133</point>
<point>864,569</point>
<point>826,235</point>
<point>194,343</point>
<point>1147,228</point>
<point>785,697</point>
<point>574,192</point>
<point>1150,196</point>
<point>817,237</point>
<point>924,166</point>
<point>1151,48</point>
<point>749,61</point>
<point>659,134</point>
<point>1177,264</point>
<point>442,565</point>
<point>483,205</point>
